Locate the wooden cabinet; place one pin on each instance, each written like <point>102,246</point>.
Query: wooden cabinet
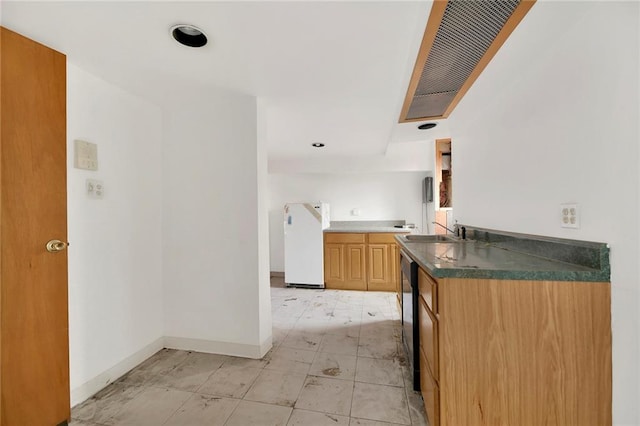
<point>361,261</point>
<point>345,261</point>
<point>429,344</point>
<point>501,352</point>
<point>382,262</point>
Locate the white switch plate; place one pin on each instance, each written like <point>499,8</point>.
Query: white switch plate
<point>95,189</point>
<point>570,215</point>
<point>85,155</point>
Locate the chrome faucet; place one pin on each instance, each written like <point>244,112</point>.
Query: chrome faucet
<point>450,230</point>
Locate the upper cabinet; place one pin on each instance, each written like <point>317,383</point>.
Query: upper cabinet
<point>460,39</point>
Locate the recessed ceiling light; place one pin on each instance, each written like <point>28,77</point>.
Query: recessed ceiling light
<point>189,35</point>
<point>317,145</point>
<point>427,126</point>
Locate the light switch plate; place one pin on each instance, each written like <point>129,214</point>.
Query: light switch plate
<point>85,155</point>
<point>95,189</point>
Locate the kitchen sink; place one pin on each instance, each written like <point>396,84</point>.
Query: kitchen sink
<point>431,239</point>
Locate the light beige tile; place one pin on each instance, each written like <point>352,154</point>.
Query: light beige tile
<point>276,387</point>
<point>327,395</point>
<point>190,374</point>
<point>245,362</point>
<point>161,363</point>
<point>306,340</point>
<point>336,344</point>
<point>377,317</point>
<point>416,408</point>
<point>231,381</point>
<point>382,403</point>
<point>311,325</point>
<point>291,360</point>
<point>278,336</point>
<point>378,347</point>
<point>334,365</point>
<point>312,418</point>
<point>389,332</point>
<point>352,330</point>
<point>82,423</point>
<point>346,317</point>
<point>379,371</point>
<point>105,403</point>
<point>256,413</point>
<point>152,406</point>
<point>203,410</point>
<point>365,422</point>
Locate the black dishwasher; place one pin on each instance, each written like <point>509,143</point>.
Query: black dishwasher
<point>410,323</point>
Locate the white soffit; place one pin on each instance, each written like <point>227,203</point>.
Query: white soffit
<point>329,71</point>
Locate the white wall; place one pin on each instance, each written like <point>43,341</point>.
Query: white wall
<point>264,279</point>
<point>554,119</point>
<point>115,288</point>
<point>400,156</point>
<point>378,196</point>
<point>210,229</point>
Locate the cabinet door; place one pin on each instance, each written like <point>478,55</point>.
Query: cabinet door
<point>428,288</point>
<point>355,270</point>
<point>379,278</point>
<point>430,393</point>
<point>334,265</point>
<point>429,337</point>
<point>394,265</point>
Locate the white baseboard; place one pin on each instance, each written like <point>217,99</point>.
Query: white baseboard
<point>266,345</point>
<point>91,387</point>
<point>215,347</point>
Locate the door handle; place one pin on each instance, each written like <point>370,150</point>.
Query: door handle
<point>55,246</point>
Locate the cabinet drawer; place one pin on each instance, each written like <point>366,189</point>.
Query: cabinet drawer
<point>429,337</point>
<point>430,393</point>
<point>382,238</point>
<point>428,288</point>
<point>338,237</point>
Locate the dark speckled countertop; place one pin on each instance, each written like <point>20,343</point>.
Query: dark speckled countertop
<point>504,255</point>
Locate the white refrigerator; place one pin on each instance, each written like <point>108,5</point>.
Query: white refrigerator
<point>303,244</point>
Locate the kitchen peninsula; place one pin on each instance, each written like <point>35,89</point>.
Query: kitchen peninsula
<point>513,329</point>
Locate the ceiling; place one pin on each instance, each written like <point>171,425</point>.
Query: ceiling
<point>334,72</point>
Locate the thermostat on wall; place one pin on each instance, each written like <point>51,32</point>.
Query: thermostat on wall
<point>85,155</point>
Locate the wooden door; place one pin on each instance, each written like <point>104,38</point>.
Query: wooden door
<point>34,352</point>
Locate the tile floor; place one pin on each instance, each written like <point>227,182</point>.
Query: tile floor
<point>336,360</point>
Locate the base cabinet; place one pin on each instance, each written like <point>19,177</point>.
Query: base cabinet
<point>502,352</point>
<point>345,261</point>
<point>355,261</point>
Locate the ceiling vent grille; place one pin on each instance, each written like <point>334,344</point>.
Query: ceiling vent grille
<point>460,39</point>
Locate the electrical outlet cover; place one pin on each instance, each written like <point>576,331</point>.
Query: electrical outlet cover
<point>95,189</point>
<point>569,215</point>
